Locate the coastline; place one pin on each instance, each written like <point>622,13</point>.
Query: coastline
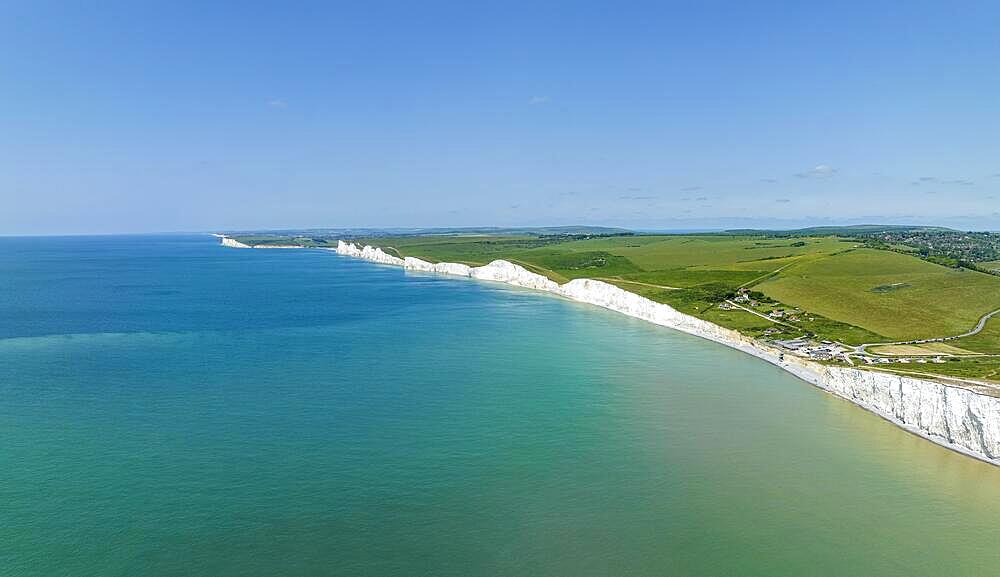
<point>954,417</point>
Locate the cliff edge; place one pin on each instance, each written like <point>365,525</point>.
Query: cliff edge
<point>954,417</point>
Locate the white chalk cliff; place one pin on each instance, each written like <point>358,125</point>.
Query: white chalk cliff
<point>955,417</point>
<point>373,254</point>
<point>231,243</point>
<point>411,263</point>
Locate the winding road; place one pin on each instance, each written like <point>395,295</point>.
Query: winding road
<point>979,327</point>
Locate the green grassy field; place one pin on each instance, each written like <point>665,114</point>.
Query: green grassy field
<point>896,295</point>
<point>987,341</point>
<point>852,294</point>
<point>692,273</point>
<point>977,368</point>
<point>704,251</point>
<point>473,250</point>
<point>270,239</point>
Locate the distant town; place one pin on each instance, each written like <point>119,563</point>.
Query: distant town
<point>946,247</point>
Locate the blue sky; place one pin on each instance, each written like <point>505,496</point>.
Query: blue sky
<point>171,116</point>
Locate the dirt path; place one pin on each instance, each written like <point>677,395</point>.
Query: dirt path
<point>761,315</point>
<point>660,286</point>
<point>769,275</point>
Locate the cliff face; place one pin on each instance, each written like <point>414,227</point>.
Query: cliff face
<point>226,241</point>
<point>411,263</point>
<point>954,417</point>
<point>510,273</point>
<point>957,418</point>
<point>373,254</point>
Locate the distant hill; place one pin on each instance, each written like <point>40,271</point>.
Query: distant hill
<point>841,230</point>
<point>489,230</point>
<point>539,230</point>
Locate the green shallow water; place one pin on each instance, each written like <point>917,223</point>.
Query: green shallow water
<point>169,407</point>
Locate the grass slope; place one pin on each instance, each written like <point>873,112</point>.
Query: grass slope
<point>852,287</point>
<point>987,341</point>
<point>668,252</point>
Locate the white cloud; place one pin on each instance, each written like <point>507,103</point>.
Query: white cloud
<point>538,100</point>
<point>277,103</point>
<point>818,171</point>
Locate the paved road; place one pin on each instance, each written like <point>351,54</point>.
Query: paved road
<point>979,327</point>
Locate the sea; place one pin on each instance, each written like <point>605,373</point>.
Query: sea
<point>171,407</point>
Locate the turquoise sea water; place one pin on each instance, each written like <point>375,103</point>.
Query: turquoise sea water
<point>171,407</point>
